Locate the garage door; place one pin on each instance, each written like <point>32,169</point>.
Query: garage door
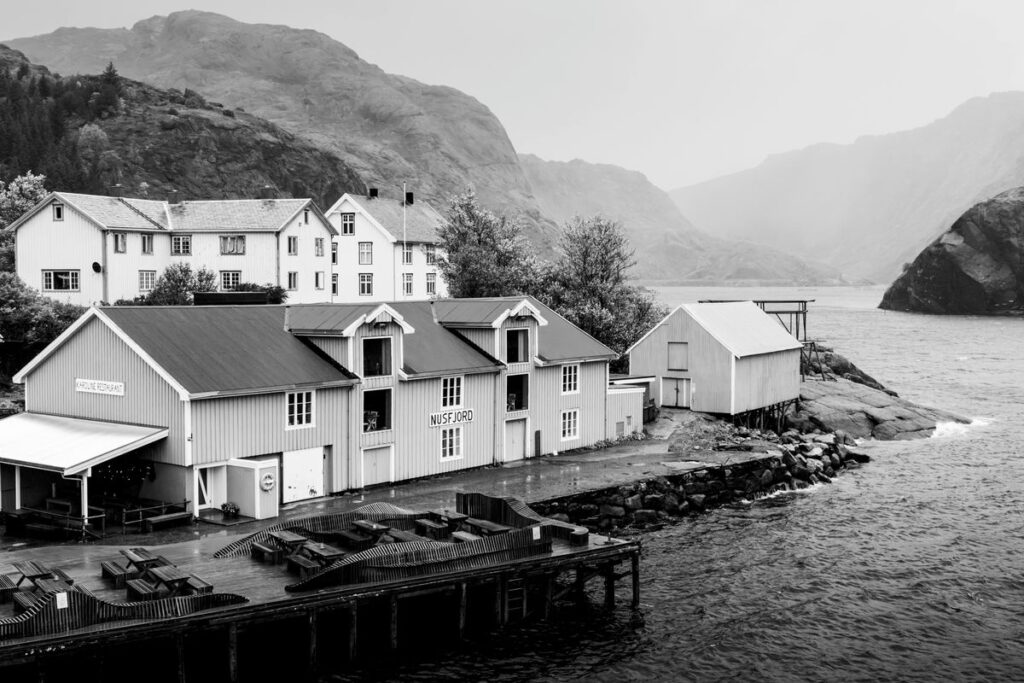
<point>302,474</point>
<point>515,440</point>
<point>376,466</point>
<point>675,393</point>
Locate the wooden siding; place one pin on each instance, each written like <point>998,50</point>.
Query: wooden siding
<point>246,426</point>
<point>766,379</point>
<point>74,243</point>
<point>335,347</point>
<point>95,352</point>
<point>547,403</point>
<point>529,324</point>
<point>624,403</point>
<point>483,338</point>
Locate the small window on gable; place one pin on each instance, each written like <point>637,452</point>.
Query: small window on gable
<point>58,212</point>
<point>376,356</point>
<point>678,356</point>
<point>305,216</point>
<point>517,346</point>
<point>348,224</point>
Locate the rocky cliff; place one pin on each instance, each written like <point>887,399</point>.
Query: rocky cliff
<point>977,266</point>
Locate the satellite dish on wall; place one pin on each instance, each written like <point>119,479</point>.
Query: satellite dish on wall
<point>96,267</point>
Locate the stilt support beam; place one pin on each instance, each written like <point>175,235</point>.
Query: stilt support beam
<point>233,653</point>
<point>635,560</point>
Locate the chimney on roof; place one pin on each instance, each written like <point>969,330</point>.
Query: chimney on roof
<point>173,197</point>
<point>408,198</point>
<point>373,193</point>
<point>266,192</point>
<point>117,190</point>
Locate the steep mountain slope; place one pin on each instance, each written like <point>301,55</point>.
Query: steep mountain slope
<point>870,206</point>
<point>668,247</point>
<point>153,141</point>
<point>977,266</point>
<point>391,129</point>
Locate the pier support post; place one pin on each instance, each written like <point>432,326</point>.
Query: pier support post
<point>462,593</point>
<point>353,631</point>
<point>233,653</point>
<point>635,575</point>
<point>581,582</point>
<point>313,619</point>
<point>549,582</point>
<point>179,646</point>
<point>609,586</point>
<point>394,622</point>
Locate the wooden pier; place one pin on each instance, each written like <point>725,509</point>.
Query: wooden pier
<point>295,632</point>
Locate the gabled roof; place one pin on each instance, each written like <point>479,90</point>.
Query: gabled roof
<point>111,213</point>
<point>485,312</point>
<point>742,327</point>
<point>561,341</point>
<point>328,320</point>
<point>421,220</point>
<point>239,215</point>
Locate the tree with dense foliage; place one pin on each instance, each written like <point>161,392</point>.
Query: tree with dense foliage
<point>275,293</point>
<point>16,197</point>
<point>483,254</point>
<point>588,284</point>
<point>177,285</point>
<point>28,321</point>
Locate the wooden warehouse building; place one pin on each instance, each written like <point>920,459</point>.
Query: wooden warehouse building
<point>723,358</point>
<point>264,405</point>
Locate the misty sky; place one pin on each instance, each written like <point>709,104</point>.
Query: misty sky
<point>681,90</point>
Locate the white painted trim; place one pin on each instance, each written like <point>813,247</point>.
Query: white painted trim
<point>518,309</point>
<point>396,318</point>
<point>732,385</point>
<point>561,419</point>
<point>651,331</point>
<point>362,463</point>
<point>312,410</point>
<point>462,391</point>
<point>462,444</point>
<point>527,441</point>
<point>188,433</point>
<point>20,376</point>
<point>561,380</point>
<point>17,487</point>
<point>360,209</point>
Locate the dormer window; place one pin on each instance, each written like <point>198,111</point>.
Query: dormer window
<point>58,212</point>
<point>517,347</point>
<point>376,356</point>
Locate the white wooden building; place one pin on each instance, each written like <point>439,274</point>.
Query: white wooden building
<point>725,358</point>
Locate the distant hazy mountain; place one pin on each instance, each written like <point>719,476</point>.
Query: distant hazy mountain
<point>668,247</point>
<point>869,207</point>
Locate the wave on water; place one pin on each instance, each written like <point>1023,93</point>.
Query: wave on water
<point>950,429</point>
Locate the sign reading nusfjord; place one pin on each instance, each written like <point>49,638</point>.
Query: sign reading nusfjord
<point>98,386</point>
<point>451,417</point>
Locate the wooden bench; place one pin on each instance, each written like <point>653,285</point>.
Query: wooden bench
<point>62,575</point>
<point>198,586</point>
<point>116,573</point>
<point>465,537</point>
<point>372,528</point>
<point>23,600</point>
<point>402,536</point>
<point>263,553</point>
<point>140,589</point>
<point>7,588</point>
<point>150,523</point>
<point>486,528</point>
<point>431,529</point>
<point>304,566</point>
<point>354,540</point>
<point>84,591</point>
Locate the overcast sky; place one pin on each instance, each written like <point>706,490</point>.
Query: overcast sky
<point>683,90</point>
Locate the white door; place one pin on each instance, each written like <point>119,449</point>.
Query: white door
<point>376,466</point>
<point>515,440</point>
<point>675,393</point>
<point>302,474</point>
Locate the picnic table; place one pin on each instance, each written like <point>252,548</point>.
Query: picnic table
<point>46,586</point>
<point>290,541</point>
<point>171,577</point>
<point>449,517</point>
<point>482,527</point>
<point>143,560</point>
<point>33,571</point>
<point>373,528</point>
<point>323,553</point>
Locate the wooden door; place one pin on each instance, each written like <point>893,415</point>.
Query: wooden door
<point>515,440</point>
<point>376,466</point>
<point>302,474</point>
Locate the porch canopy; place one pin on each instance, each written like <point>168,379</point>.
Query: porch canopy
<point>68,445</point>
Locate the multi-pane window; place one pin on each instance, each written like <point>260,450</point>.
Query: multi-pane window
<point>348,224</point>
<point>147,278</point>
<point>229,279</point>
<point>451,443</point>
<point>406,254</point>
<point>293,281</point>
<point>431,254</point>
<point>365,284</point>
<point>293,245</point>
<point>60,280</point>
<point>407,284</point>
<point>431,283</point>
<point>334,284</point>
<point>147,244</point>
<point>181,245</point>
<point>570,424</point>
<point>232,244</point>
<point>365,253</point>
<point>58,212</point>
<point>120,242</point>
<point>334,253</point>
<point>451,392</point>
<point>319,279</point>
<point>300,409</point>
<point>570,379</point>
<point>376,356</point>
<point>318,246</point>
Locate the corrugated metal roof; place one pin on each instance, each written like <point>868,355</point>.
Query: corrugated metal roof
<point>115,212</point>
<point>233,215</point>
<point>421,220</point>
<point>225,349</point>
<point>472,312</point>
<point>325,319</point>
<point>742,327</point>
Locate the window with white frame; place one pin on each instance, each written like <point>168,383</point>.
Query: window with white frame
<point>431,254</point>
<point>376,410</point>
<point>334,253</point>
<point>232,245</point>
<point>293,246</point>
<point>147,244</point>
<point>120,242</point>
<point>570,379</point>
<point>407,284</point>
<point>300,409</point>
<point>318,278</point>
<point>451,443</point>
<point>181,245</point>
<point>365,284</point>
<point>406,254</point>
<point>293,281</point>
<point>517,345</point>
<point>229,279</point>
<point>376,356</point>
<point>451,392</point>
<point>366,253</point>
<point>58,212</point>
<point>334,284</point>
<point>60,280</point>
<point>147,278</point>
<point>431,283</point>
<point>570,424</point>
<point>318,246</point>
<point>348,224</point>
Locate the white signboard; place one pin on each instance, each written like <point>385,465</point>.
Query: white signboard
<point>98,386</point>
<point>451,417</point>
